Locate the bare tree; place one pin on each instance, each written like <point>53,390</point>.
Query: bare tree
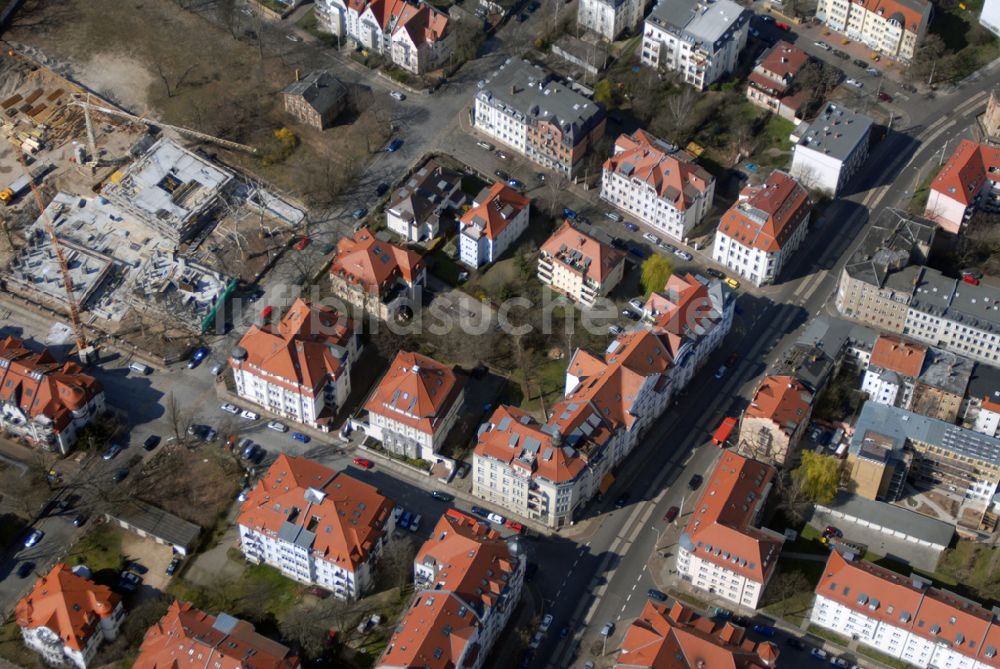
<point>26,490</point>
<point>396,562</point>
<point>164,77</point>
<point>177,418</point>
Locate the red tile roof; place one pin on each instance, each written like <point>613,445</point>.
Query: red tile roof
<point>345,516</point>
<point>898,355</point>
<point>69,605</point>
<point>783,61</point>
<point>721,528</point>
<point>582,253</point>
<point>416,390</point>
<point>516,439</point>
<point>305,349</point>
<point>766,216</point>
<point>374,264</point>
<point>187,638</point>
<point>967,170</point>
<point>494,209</point>
<point>472,566</point>
<point>784,400</point>
<point>675,637</point>
<point>40,386</point>
<point>910,15</point>
<point>672,174</point>
<point>912,605</point>
<point>680,310</point>
<point>422,23</point>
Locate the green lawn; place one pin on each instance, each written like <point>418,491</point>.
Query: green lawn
<point>833,637</point>
<point>962,34</point>
<point>310,24</point>
<point>919,200</point>
<point>881,657</point>
<point>13,650</point>
<point>99,549</point>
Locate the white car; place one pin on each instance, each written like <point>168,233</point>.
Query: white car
<point>818,653</point>
<point>838,662</point>
<point>854,82</point>
<point>485,145</point>
<point>546,622</point>
<point>33,538</point>
<point>650,237</point>
<point>536,641</point>
<point>250,415</point>
<point>495,518</point>
<point>277,427</point>
<point>822,45</point>
<point>293,38</point>
<point>397,95</point>
<point>681,253</point>
<point>230,408</point>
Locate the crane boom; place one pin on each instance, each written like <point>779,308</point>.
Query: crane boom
<point>74,311</point>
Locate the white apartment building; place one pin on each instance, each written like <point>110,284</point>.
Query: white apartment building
<point>832,150</point>
<point>968,181</point>
<point>610,18</point>
<point>316,525</point>
<point>904,616</point>
<point>66,617</point>
<point>892,371</point>
<point>521,106</point>
<point>547,472</point>
<point>579,266</point>
<point>988,419</point>
<point>763,229</point>
<point>496,219</point>
<point>467,578</point>
<point>893,28</point>
<point>300,367</point>
<point>430,197</point>
<point>414,406</point>
<point>658,184</point>
<point>700,40</point>
<point>722,550</point>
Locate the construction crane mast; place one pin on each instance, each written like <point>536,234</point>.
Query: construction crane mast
<point>74,311</point>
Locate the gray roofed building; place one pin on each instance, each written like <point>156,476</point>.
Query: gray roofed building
<point>984,382</point>
<point>316,99</point>
<point>836,336</point>
<point>696,21</point>
<point>153,522</point>
<point>832,149</point>
<point>416,209</point>
<point>810,364</point>
<point>895,240</point>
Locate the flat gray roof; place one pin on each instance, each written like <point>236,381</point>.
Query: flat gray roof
<point>832,334</point>
<point>697,21</point>
<point>903,520</point>
<point>895,240</point>
<point>985,382</point>
<point>899,425</point>
<point>157,523</point>
<point>837,131</point>
<point>530,92</point>
<point>947,371</point>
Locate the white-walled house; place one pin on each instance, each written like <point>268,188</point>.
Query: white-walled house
<point>832,149</point>
<point>316,525</point>
<point>658,184</point>
<point>496,219</point>
<point>609,18</point>
<point>66,617</point>
<point>429,197</point>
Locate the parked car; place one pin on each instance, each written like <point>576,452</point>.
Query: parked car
<point>839,662</point>
<point>514,183</point>
<point>495,518</point>
<point>303,243</point>
<point>653,593</point>
<point>695,481</point>
<point>732,283</point>
<point>129,581</point>
<point>480,511</point>
<point>298,436</point>
<point>381,189</point>
<point>714,273</point>
<point>546,622</point>
<point>152,441</point>
<point>359,213</point>
<point>277,427</point>
<point>840,54</point>
<point>501,175</point>
<point>818,653</point>
<point>200,354</point>
<point>397,95</point>
<point>442,496</point>
<point>217,369</point>
<point>764,630</point>
<point>172,567</point>
<point>681,253</point>
<point>615,330</point>
<point>25,569</point>
<point>860,63</point>
<point>249,415</point>
<point>293,38</point>
<point>485,145</point>
<point>119,474</point>
<point>516,526</point>
<point>631,227</point>
<point>404,520</point>
<point>637,303</point>
<point>873,71</point>
<point>795,643</point>
<point>617,218</point>
<point>112,452</point>
<point>884,97</point>
<point>363,463</point>
<point>671,514</point>
<point>720,372</point>
<point>854,82</point>
<point>394,145</point>
<point>415,523</point>
<point>651,238</point>
<point>832,531</point>
<point>822,45</point>
<point>230,408</point>
<point>79,519</point>
<point>608,629</point>
<point>136,567</point>
<point>536,640</point>
<point>33,538</point>
<point>631,315</point>
<point>622,500</point>
<point>502,156</point>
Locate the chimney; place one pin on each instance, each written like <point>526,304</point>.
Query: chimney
<point>513,89</point>
<point>296,74</point>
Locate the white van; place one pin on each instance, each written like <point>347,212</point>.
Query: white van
<point>140,368</point>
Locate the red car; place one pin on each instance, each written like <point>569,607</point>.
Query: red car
<point>832,531</point>
<point>783,26</point>
<point>304,242</point>
<point>884,97</point>
<point>671,514</point>
<point>516,526</point>
<point>971,280</point>
<point>364,464</point>
<point>266,312</point>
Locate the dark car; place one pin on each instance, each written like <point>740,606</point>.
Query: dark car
<point>134,566</point>
<point>480,511</point>
<point>795,643</point>
<point>198,356</point>
<point>631,227</point>
<point>619,244</point>
<point>860,63</point>
<point>714,273</point>
<point>119,475</point>
<point>359,213</point>
<point>653,593</point>
<point>442,496</point>
<point>382,188</point>
<point>622,500</point>
<point>25,569</point>
<point>884,97</point>
<point>764,630</point>
<point>521,18</point>
<point>172,567</point>
<point>637,250</point>
<point>79,519</point>
<point>501,175</point>
<point>671,514</point>
<point>394,146</point>
<point>113,451</point>
<point>152,441</point>
<point>695,481</point>
<point>129,581</point>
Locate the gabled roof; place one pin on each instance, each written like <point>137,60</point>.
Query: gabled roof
<point>494,209</point>
<point>320,89</point>
<point>416,390</point>
<point>69,605</point>
<point>721,528</point>
<point>517,439</point>
<point>766,216</point>
<point>187,637</point>
<point>898,355</point>
<point>303,351</point>
<point>422,23</point>
<point>472,567</point>
<point>362,259</point>
<point>783,60</point>
<point>336,516</point>
<point>671,173</point>
<point>582,253</point>
<point>675,637</point>
<point>909,14</point>
<point>967,170</point>
<point>783,400</point>
<point>41,387</point>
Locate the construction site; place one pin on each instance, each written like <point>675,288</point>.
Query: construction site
<point>110,219</point>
